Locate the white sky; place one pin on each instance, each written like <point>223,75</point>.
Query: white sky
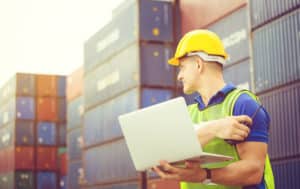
<point>47,36</point>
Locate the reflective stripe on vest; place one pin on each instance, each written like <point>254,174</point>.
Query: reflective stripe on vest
<point>219,146</point>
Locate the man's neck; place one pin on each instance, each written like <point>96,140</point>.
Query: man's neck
<point>210,88</point>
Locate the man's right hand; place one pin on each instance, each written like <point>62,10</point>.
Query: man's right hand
<point>228,128</point>
<point>233,127</point>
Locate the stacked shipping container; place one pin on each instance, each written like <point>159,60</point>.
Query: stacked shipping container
<point>74,128</point>
<point>125,69</point>
<point>276,47</point>
<point>32,110</point>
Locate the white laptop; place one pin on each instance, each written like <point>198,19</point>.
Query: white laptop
<point>163,132</point>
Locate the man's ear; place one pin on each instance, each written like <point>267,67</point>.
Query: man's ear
<point>199,64</point>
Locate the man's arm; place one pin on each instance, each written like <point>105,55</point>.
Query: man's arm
<point>248,171</point>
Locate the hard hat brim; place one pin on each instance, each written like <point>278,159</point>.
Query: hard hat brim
<point>173,61</point>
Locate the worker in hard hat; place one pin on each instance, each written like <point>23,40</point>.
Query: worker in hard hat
<point>200,57</point>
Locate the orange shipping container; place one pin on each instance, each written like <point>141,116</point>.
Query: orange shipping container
<point>75,84</point>
<point>46,109</point>
<point>201,13</point>
<point>46,158</point>
<point>46,85</point>
<point>63,164</point>
<point>163,184</point>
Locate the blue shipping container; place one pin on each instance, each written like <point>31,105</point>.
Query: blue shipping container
<point>75,113</point>
<point>46,180</point>
<point>127,70</point>
<point>238,74</point>
<point>74,138</point>
<point>61,86</point>
<point>63,182</point>
<point>264,11</point>
<point>24,132</point>
<point>46,133</point>
<point>283,106</point>
<point>287,173</point>
<point>108,163</point>
<point>235,34</point>
<point>276,50</point>
<point>128,27</point>
<point>101,123</point>
<point>74,169</point>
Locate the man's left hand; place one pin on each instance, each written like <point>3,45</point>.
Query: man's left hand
<point>191,172</point>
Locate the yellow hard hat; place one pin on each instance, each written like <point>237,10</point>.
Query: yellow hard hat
<point>199,41</point>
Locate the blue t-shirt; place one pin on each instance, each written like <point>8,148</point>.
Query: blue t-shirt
<point>244,105</point>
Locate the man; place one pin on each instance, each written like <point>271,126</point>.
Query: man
<point>200,56</point>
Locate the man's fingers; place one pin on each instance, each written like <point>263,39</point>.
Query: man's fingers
<point>241,133</point>
<point>167,167</point>
<point>237,137</point>
<point>244,119</point>
<point>165,175</point>
<point>242,127</point>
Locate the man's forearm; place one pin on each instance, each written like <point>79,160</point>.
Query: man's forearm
<point>240,173</point>
<point>206,131</point>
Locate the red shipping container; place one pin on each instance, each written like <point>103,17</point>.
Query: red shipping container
<point>63,164</point>
<point>163,184</point>
<point>46,85</point>
<point>46,109</point>
<point>46,158</point>
<point>24,157</point>
<point>14,158</point>
<point>75,84</point>
<point>201,13</point>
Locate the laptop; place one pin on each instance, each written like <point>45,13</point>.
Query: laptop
<point>163,132</point>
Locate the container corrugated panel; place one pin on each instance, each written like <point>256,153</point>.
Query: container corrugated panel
<point>46,133</point>
<point>47,109</point>
<point>63,182</point>
<point>46,180</point>
<point>126,71</point>
<point>234,33</point>
<point>7,180</point>
<point>74,148</point>
<point>62,109</point>
<point>238,74</point>
<point>124,30</point>
<point>8,112</point>
<point>264,11</point>
<point>46,85</point>
<point>163,184</point>
<point>7,136</point>
<point>276,50</point>
<point>24,157</point>
<point>7,160</point>
<point>75,84</point>
<point>198,14</point>
<point>155,71</point>
<point>62,134</point>
<point>74,169</point>
<point>75,112</point>
<point>108,163</point>
<point>24,132</point>
<point>98,129</point>
<point>283,106</point>
<point>61,86</point>
<point>46,158</point>
<point>287,173</point>
<point>24,180</point>
<point>20,84</point>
